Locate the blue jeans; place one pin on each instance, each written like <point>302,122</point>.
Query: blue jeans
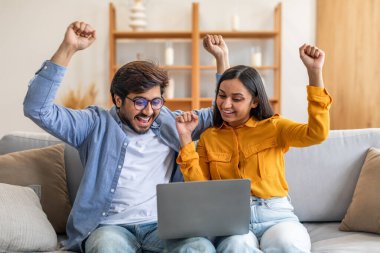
<point>189,245</point>
<point>140,238</point>
<point>273,228</point>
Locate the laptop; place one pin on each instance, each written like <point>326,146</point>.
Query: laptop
<point>203,208</point>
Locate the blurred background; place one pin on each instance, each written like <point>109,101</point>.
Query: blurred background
<point>347,30</point>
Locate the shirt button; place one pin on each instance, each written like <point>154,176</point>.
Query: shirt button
<point>125,144</point>
<point>45,67</point>
<point>104,214</point>
<point>112,190</point>
<point>119,166</point>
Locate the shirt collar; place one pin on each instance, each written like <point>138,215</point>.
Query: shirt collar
<point>115,116</point>
<point>250,123</point>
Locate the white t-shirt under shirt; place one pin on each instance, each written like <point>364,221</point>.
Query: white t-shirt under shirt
<point>148,162</point>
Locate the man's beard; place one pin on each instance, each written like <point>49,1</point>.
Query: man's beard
<point>125,121</point>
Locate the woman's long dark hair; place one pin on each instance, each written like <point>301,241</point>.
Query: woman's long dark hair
<point>251,79</point>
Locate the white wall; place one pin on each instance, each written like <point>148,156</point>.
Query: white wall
<point>299,26</point>
<point>30,33</point>
<point>32,30</point>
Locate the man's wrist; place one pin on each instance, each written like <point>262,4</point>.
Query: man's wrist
<point>63,55</point>
<point>67,50</point>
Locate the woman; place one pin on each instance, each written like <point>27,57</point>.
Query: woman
<point>249,141</point>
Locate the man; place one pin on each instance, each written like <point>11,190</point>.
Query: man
<point>125,151</point>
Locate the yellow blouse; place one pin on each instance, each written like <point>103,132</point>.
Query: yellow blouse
<point>256,149</point>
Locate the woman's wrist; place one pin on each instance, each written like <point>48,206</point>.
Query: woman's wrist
<point>316,78</point>
<point>185,139</point>
<point>221,57</point>
<point>222,63</point>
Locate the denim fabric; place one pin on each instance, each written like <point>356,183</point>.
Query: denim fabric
<point>189,245</point>
<point>266,213</point>
<point>141,238</point>
<point>98,136</point>
<point>124,239</point>
<point>273,228</point>
<point>247,243</point>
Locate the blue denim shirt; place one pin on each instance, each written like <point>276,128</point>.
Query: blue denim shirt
<point>98,136</point>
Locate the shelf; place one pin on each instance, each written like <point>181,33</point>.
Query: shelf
<point>171,67</point>
<point>152,35</point>
<point>183,104</point>
<point>257,67</point>
<point>166,67</point>
<point>206,99</point>
<point>242,34</point>
<point>273,100</point>
<point>193,69</point>
<point>177,100</point>
<point>177,67</point>
<point>187,35</point>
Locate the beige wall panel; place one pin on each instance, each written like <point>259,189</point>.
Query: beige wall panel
<point>349,32</point>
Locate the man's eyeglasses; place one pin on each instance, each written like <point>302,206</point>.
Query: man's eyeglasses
<point>141,103</point>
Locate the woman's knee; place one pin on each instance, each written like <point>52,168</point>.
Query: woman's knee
<point>238,243</point>
<point>286,237</point>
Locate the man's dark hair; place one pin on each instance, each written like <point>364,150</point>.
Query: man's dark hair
<point>251,79</point>
<point>137,77</point>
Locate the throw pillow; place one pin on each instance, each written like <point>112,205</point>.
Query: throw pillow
<point>44,167</point>
<point>363,213</point>
<point>24,226</point>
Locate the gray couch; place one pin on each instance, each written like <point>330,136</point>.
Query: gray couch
<point>321,178</point>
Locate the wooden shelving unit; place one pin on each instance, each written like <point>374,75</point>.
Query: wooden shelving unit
<point>195,36</point>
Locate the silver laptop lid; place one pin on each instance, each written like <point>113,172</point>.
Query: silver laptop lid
<point>203,208</point>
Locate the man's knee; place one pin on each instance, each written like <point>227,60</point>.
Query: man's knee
<point>110,239</point>
<point>190,245</point>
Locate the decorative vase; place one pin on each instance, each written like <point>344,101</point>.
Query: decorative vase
<point>169,92</point>
<point>256,58</point>
<point>235,23</point>
<point>138,17</point>
<point>169,54</point>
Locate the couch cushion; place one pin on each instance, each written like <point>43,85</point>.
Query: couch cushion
<point>24,226</point>
<point>322,178</point>
<point>43,167</point>
<point>364,211</point>
<point>18,141</point>
<point>326,238</point>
